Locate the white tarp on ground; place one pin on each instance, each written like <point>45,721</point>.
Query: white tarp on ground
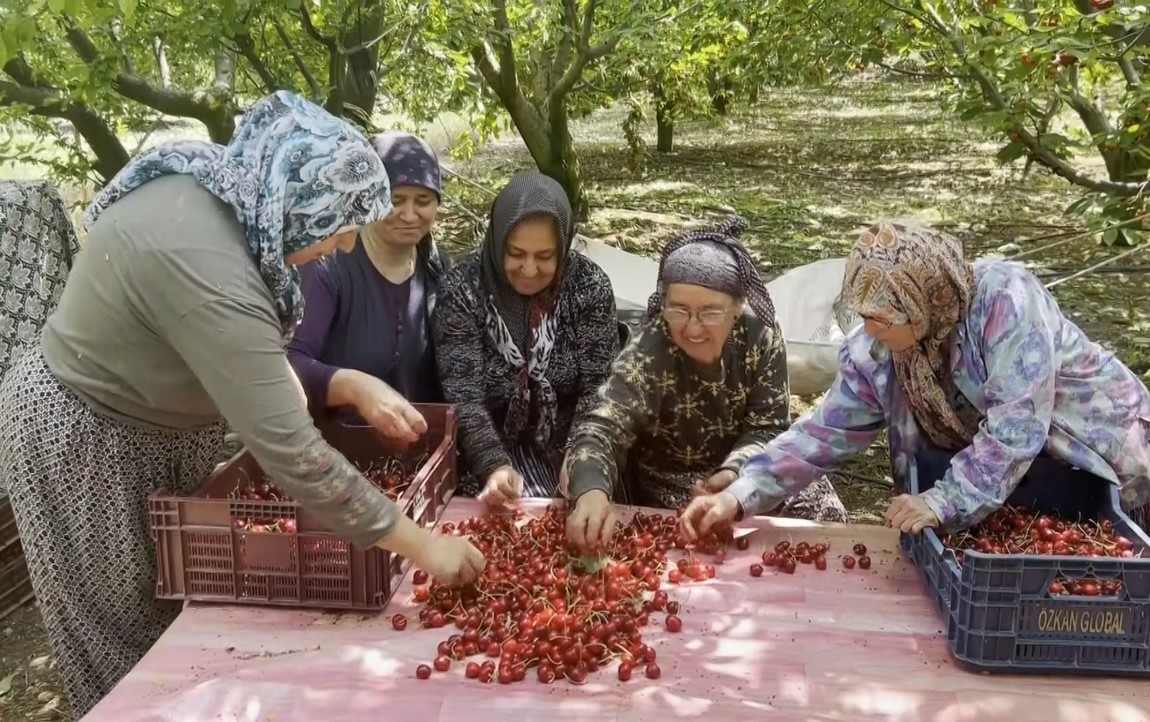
<point>804,300</point>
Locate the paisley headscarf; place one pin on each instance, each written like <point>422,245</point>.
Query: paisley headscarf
<point>901,275</point>
<point>524,328</point>
<point>294,174</point>
<point>714,258</point>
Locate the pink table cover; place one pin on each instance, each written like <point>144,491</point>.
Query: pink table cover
<point>834,645</point>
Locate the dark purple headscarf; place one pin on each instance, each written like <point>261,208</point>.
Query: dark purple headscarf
<point>409,160</point>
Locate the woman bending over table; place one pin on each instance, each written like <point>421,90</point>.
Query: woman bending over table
<point>700,389</point>
<point>366,337</point>
<point>976,361</point>
<point>174,319</point>
<point>525,332</point>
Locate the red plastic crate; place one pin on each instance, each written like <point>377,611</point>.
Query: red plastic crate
<point>15,585</point>
<point>202,556</point>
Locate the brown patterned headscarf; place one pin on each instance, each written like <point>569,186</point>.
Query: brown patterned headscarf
<point>714,258</point>
<point>900,275</point>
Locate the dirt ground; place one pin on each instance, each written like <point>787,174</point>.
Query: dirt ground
<point>807,169</point>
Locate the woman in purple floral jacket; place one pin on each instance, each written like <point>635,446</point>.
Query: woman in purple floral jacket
<point>977,361</point>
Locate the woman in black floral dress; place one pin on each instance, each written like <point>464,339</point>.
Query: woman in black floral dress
<point>524,332</point>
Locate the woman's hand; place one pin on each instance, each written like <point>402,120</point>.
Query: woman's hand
<point>591,524</point>
<point>707,512</point>
<point>504,487</point>
<point>909,514</point>
<point>382,406</point>
<point>719,480</point>
<point>451,559</point>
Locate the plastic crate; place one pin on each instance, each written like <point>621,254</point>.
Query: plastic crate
<point>15,585</point>
<point>202,556</point>
<point>1001,616</point>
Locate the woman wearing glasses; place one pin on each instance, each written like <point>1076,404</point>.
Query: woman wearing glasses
<point>975,371</point>
<point>701,388</point>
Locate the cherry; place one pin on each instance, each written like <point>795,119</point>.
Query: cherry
<point>674,576</point>
<point>782,547</point>
<point>848,562</point>
<point>743,543</point>
<point>399,622</point>
<point>674,624</point>
<point>472,670</point>
<point>788,566</point>
<point>419,577</point>
<point>625,670</point>
<point>756,570</point>
<point>288,526</point>
<point>672,607</point>
<point>769,559</point>
<point>442,663</point>
<point>864,562</point>
<point>821,563</point>
<point>859,549</point>
<point>420,594</point>
<point>423,672</point>
<point>652,671</point>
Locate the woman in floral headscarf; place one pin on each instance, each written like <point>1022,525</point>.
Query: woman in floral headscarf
<point>173,319</point>
<point>701,389</point>
<point>977,362</point>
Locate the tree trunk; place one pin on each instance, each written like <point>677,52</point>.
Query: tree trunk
<point>111,156</point>
<point>563,163</point>
<point>361,71</point>
<point>664,127</point>
<point>722,90</point>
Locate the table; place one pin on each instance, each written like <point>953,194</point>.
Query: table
<point>816,646</point>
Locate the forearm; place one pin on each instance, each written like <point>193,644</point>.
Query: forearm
<point>323,480</point>
<point>405,538</point>
<point>315,377</point>
<point>343,387</point>
<point>481,444</point>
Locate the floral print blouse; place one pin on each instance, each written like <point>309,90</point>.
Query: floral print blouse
<point>1037,380</point>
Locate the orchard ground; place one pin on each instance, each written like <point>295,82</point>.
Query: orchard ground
<point>808,169</point>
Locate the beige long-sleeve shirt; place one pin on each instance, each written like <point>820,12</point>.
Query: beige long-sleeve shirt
<point>165,323</point>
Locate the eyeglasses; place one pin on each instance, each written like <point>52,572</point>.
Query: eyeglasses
<point>706,317</point>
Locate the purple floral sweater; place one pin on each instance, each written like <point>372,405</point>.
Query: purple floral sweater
<point>1038,381</point>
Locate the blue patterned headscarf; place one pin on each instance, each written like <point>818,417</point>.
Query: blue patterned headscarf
<point>294,174</point>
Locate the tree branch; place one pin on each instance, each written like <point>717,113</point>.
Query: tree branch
<point>584,56</point>
<point>993,97</point>
<point>214,112</point>
<point>49,102</point>
<point>301,66</point>
<point>246,47</point>
<point>324,40</point>
<point>508,75</point>
<point>571,30</point>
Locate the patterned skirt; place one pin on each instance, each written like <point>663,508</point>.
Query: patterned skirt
<point>818,502</point>
<point>79,484</point>
<point>540,473</point>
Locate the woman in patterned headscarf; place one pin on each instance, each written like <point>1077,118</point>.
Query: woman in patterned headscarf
<point>976,363</point>
<point>700,389</point>
<point>367,333</point>
<point>173,320</point>
<point>525,332</point>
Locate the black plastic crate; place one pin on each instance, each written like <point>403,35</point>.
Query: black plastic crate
<point>1001,615</point>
